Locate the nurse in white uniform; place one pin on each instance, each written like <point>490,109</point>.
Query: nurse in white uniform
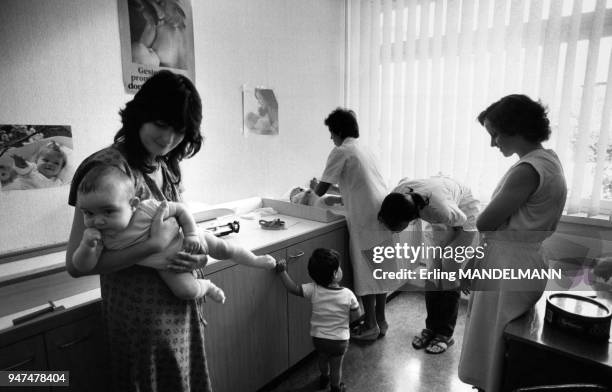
<point>525,209</point>
<point>354,168</point>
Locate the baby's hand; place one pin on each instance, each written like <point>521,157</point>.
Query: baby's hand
<point>91,237</point>
<point>19,161</point>
<point>281,266</point>
<point>266,261</point>
<point>192,244</point>
<point>313,183</point>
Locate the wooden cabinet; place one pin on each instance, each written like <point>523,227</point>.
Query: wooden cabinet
<point>69,340</point>
<point>78,347</point>
<point>258,333</point>
<point>262,330</point>
<point>246,338</point>
<point>527,365</point>
<point>299,309</point>
<point>27,354</point>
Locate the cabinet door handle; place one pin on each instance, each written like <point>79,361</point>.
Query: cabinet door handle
<point>299,254</point>
<point>19,364</point>
<point>73,342</point>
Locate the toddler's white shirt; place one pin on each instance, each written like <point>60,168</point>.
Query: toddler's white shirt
<point>330,311</point>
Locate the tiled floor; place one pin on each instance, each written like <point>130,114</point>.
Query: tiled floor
<point>390,364</point>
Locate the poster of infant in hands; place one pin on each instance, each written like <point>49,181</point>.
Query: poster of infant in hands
<point>260,111</point>
<point>35,156</point>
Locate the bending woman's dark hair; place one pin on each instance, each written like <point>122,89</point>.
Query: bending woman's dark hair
<point>343,122</point>
<point>518,115</point>
<point>396,209</point>
<point>170,98</point>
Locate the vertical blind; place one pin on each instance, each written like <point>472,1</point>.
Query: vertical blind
<point>420,71</point>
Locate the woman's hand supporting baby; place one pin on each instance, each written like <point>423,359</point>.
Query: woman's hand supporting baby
<point>162,232</point>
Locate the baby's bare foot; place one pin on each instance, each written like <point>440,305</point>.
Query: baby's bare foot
<point>209,289</point>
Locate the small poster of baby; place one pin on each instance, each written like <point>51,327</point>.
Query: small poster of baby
<point>155,35</point>
<point>35,156</point>
<point>260,111</point>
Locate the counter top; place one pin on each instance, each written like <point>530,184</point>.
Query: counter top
<point>251,236</point>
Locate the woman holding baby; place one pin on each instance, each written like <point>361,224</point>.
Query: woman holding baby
<point>155,339</point>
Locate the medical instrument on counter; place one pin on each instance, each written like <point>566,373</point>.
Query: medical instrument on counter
<point>275,224</point>
<point>228,228</point>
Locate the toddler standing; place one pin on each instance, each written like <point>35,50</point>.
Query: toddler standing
<point>333,308</point>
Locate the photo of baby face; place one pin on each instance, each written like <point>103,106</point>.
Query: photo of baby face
<point>35,156</point>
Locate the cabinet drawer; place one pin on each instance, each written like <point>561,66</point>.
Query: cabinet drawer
<point>299,309</point>
<point>78,347</point>
<point>28,354</point>
<point>246,338</point>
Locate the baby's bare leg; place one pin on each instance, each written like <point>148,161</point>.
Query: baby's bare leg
<point>186,286</point>
<point>209,289</point>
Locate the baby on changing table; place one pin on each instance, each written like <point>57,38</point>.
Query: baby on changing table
<point>299,195</point>
<point>116,219</point>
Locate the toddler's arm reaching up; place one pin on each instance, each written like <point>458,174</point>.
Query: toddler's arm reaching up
<point>290,285</point>
<point>85,257</point>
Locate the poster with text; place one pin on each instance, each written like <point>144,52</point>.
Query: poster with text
<point>155,35</point>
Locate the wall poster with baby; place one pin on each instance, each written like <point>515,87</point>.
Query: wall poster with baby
<point>155,35</point>
<point>259,110</point>
<point>35,156</point>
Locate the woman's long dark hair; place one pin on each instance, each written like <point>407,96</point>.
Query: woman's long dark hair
<point>166,97</point>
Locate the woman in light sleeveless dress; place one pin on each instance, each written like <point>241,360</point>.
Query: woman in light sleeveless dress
<point>525,209</point>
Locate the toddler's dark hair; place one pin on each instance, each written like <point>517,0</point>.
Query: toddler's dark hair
<point>397,209</point>
<point>322,265</point>
<point>102,177</point>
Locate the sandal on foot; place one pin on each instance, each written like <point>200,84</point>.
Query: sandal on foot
<point>422,340</point>
<point>439,344</point>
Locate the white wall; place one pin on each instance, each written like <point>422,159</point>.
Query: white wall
<point>60,64</point>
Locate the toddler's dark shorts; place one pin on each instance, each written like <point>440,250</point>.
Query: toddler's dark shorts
<point>333,348</point>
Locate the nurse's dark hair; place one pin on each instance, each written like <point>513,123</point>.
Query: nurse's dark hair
<point>397,209</point>
<point>322,265</point>
<point>102,177</point>
<point>168,98</point>
<point>343,122</point>
<point>518,114</point>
